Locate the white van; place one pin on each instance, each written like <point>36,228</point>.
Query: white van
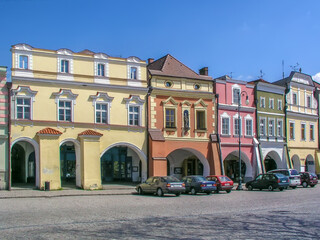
<point>292,174</point>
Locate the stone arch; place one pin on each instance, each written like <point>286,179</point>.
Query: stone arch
<point>296,162</point>
<point>310,164</point>
<point>275,157</point>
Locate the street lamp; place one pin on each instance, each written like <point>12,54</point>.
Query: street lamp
<point>239,119</point>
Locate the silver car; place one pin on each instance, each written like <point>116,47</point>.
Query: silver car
<point>292,174</point>
<point>161,185</point>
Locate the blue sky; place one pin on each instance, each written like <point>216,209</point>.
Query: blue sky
<point>242,37</point>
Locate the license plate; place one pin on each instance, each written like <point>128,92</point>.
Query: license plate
<point>178,185</point>
<point>284,181</point>
<point>209,185</point>
<point>227,184</point>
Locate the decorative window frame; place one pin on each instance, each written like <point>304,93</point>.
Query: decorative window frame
<point>236,117</point>
<point>200,105</point>
<point>23,92</point>
<point>278,121</point>
<point>274,125</point>
<point>306,101</point>
<point>67,55</point>
<point>313,133</point>
<point>262,102</point>
<point>279,104</point>
<point>294,130</point>
<point>170,103</point>
<point>134,101</point>
<point>271,103</point>
<point>102,98</point>
<point>296,94</point>
<point>23,50</point>
<point>134,62</point>
<point>65,94</point>
<point>225,116</point>
<point>264,134</point>
<point>248,117</point>
<point>303,138</point>
<point>101,58</point>
<point>235,86</point>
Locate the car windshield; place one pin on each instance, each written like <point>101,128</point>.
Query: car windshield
<point>199,179</point>
<point>313,175</point>
<point>279,175</point>
<point>224,179</point>
<point>171,179</point>
<point>294,172</point>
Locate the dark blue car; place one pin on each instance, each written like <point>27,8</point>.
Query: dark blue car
<point>269,181</point>
<point>198,184</point>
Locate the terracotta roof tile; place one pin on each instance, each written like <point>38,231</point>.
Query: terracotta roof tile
<point>90,133</point>
<point>156,135</point>
<point>50,131</point>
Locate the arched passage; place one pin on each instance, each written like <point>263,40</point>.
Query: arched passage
<point>25,162</point>
<point>272,161</point>
<point>231,166</point>
<point>310,164</point>
<point>123,162</point>
<point>187,161</point>
<point>296,162</point>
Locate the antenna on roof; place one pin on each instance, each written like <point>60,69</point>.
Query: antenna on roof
<point>261,74</point>
<point>282,69</point>
<point>231,74</point>
<point>295,67</point>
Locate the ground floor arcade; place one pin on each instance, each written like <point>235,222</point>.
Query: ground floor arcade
<point>304,160</point>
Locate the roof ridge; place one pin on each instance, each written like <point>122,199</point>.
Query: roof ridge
<point>184,65</point>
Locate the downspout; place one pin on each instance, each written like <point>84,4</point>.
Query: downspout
<point>286,124</point>
<point>9,85</point>
<point>147,116</point>
<point>218,136</point>
<point>257,128</point>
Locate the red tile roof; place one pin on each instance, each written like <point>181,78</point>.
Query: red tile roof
<point>50,131</point>
<point>90,133</point>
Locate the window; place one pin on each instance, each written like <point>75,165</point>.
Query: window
<point>225,126</point>
<point>101,112</point>
<point>201,120</point>
<point>309,101</point>
<point>23,108</point>
<point>236,95</point>
<point>262,126</point>
<point>196,86</point>
<point>279,129</point>
<point>168,84</point>
<point>170,118</point>
<point>271,128</point>
<point>64,66</point>
<point>279,104</point>
<point>237,126</point>
<point>294,98</point>
<point>262,102</point>
<point>248,127</point>
<point>311,132</point>
<point>271,103</point>
<point>134,113</point>
<point>291,126</point>
<point>101,70</point>
<point>303,131</point>
<point>133,73</point>
<point>23,62</point>
<point>65,110</point>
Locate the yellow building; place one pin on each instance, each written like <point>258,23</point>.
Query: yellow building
<point>77,118</point>
<point>301,121</point>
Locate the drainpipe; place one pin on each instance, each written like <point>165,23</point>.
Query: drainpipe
<point>147,122</point>
<point>286,124</point>
<point>9,85</point>
<point>257,128</point>
<point>218,136</point>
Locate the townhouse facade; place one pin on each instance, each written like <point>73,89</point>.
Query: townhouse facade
<point>181,115</point>
<point>4,129</point>
<point>302,121</point>
<point>270,117</point>
<point>236,97</point>
<point>78,118</point>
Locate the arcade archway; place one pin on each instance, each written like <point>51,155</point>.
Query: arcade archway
<point>272,161</point>
<point>296,162</point>
<point>231,166</point>
<point>310,165</point>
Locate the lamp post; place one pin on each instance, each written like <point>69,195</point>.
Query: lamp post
<point>239,122</point>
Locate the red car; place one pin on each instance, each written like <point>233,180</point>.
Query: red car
<point>223,182</point>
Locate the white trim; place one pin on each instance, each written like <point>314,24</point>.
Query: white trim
<point>235,117</point>
<point>279,107</point>
<point>264,102</point>
<point>28,93</point>
<point>280,120</point>
<point>226,116</point>
<point>248,117</point>
<point>68,96</point>
<point>264,134</point>
<point>67,55</point>
<point>274,123</point>
<point>233,87</point>
<point>268,113</point>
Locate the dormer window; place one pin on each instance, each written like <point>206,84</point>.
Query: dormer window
<point>23,62</point>
<point>133,73</point>
<point>101,71</point>
<point>236,95</point>
<point>294,98</point>
<point>64,66</point>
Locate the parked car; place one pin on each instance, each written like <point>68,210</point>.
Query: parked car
<point>308,179</point>
<point>199,184</point>
<point>161,185</point>
<point>269,181</point>
<point>223,182</point>
<point>294,177</point>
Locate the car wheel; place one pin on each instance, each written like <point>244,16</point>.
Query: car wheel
<point>228,191</point>
<point>159,192</point>
<point>270,188</point>
<point>208,193</point>
<point>312,185</point>
<point>178,194</point>
<point>260,189</point>
<point>193,191</point>
<point>140,192</point>
<point>304,184</point>
<point>250,188</point>
<point>294,187</point>
<point>281,189</point>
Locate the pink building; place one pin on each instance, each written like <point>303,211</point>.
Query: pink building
<point>228,91</point>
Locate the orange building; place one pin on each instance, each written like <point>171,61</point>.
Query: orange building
<point>181,120</point>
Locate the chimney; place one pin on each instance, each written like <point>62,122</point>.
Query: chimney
<point>150,60</point>
<point>204,71</point>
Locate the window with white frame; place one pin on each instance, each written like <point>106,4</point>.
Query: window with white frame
<point>101,70</point>
<point>262,127</point>
<point>262,102</point>
<point>101,112</point>
<point>170,118</point>
<point>292,130</point>
<point>312,132</point>
<point>249,127</point>
<point>271,128</point>
<point>236,95</point>
<point>279,104</point>
<point>23,62</point>
<point>134,115</point>
<point>280,128</point>
<point>133,72</point>
<point>308,101</point>
<point>236,126</point>
<point>303,131</point>
<point>102,104</point>
<point>225,130</point>
<point>294,98</point>
<point>65,110</point>
<point>23,108</point>
<point>271,103</point>
<point>64,66</point>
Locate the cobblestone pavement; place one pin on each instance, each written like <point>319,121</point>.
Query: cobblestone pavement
<point>291,214</point>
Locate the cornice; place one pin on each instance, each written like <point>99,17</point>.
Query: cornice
<point>179,93</point>
<point>235,108</point>
<point>302,115</point>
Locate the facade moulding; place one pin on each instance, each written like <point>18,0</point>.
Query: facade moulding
<point>235,108</point>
